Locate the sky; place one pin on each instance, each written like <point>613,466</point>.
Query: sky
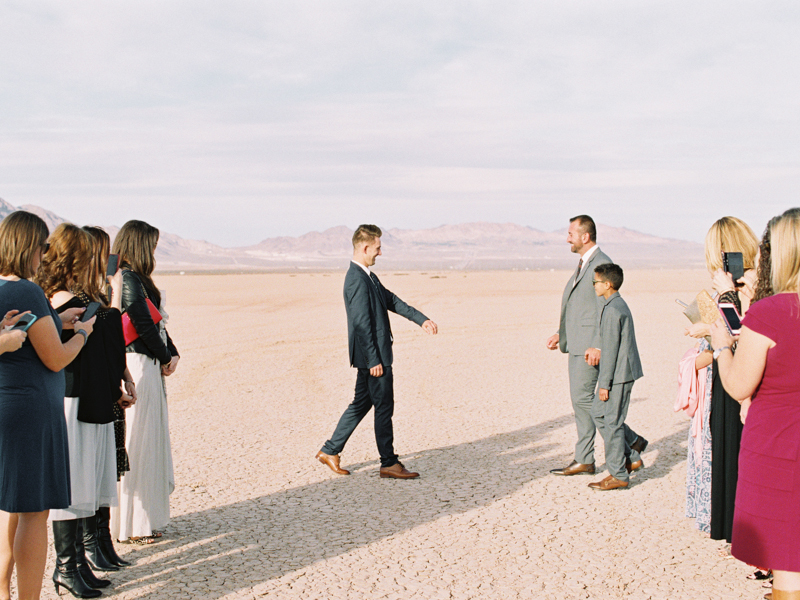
<point>234,122</point>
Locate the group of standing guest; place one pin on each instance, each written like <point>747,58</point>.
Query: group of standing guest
<point>67,451</point>
<point>743,392</point>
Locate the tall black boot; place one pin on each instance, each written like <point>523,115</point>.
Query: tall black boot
<point>66,573</point>
<point>103,518</point>
<point>94,555</point>
<point>83,566</point>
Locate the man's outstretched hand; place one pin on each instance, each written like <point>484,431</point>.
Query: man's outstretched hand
<point>430,327</point>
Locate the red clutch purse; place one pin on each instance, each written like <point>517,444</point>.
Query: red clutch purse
<point>129,331</point>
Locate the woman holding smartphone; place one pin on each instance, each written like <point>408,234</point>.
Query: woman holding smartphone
<point>728,234</point>
<point>151,355</point>
<point>766,527</point>
<point>93,384</point>
<point>34,472</point>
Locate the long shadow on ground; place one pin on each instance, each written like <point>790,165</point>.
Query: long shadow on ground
<point>220,550</point>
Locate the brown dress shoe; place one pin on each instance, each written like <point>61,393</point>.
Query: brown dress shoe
<point>630,467</point>
<point>609,483</point>
<point>574,468</point>
<point>397,471</point>
<point>332,460</point>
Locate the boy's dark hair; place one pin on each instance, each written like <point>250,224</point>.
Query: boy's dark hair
<point>612,274</point>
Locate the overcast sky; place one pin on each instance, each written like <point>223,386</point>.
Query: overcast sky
<point>237,121</point>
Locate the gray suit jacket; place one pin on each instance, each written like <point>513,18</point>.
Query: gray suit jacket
<point>368,330</point>
<point>619,356</point>
<point>580,308</point>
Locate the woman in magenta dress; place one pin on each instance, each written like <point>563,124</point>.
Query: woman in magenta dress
<point>766,526</point>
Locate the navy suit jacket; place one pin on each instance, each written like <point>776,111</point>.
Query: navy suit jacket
<point>367,303</point>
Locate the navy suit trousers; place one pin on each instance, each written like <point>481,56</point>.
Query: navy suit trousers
<point>377,392</point>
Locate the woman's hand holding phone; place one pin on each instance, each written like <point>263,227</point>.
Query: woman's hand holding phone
<point>87,326</point>
<point>748,284</point>
<point>11,340</point>
<point>720,336</point>
<point>722,282</point>
<point>12,317</point>
<point>71,316</point>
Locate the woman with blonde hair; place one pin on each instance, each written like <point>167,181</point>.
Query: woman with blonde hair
<point>766,525</point>
<point>714,496</point>
<point>728,234</point>
<point>34,472</point>
<point>144,490</point>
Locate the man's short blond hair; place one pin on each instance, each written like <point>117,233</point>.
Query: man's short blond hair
<point>364,234</point>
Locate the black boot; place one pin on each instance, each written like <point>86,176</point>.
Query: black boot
<point>103,517</point>
<point>94,555</point>
<point>66,573</point>
<point>83,566</point>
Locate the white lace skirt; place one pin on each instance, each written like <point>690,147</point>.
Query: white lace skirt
<point>92,466</point>
<point>144,490</point>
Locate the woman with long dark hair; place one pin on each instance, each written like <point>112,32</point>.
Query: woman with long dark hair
<point>93,384</point>
<point>97,535</point>
<point>144,490</point>
<point>34,472</point>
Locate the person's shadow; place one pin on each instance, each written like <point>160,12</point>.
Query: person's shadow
<point>223,549</point>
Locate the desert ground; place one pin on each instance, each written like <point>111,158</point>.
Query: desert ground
<point>482,411</point>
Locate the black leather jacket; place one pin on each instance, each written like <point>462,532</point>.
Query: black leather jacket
<point>134,303</point>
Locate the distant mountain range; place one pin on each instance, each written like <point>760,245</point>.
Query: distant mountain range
<point>468,246</point>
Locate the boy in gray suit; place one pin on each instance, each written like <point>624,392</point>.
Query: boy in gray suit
<point>619,368</point>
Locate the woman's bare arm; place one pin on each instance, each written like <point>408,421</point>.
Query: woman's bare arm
<point>741,373</point>
<point>47,343</point>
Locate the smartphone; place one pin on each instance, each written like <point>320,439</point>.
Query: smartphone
<point>733,263</point>
<point>91,311</point>
<point>731,316</point>
<point>25,321</point>
<point>113,265</point>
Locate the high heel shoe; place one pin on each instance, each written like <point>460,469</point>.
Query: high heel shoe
<point>103,516</point>
<point>66,573</point>
<point>74,584</point>
<point>94,553</point>
<point>83,566</point>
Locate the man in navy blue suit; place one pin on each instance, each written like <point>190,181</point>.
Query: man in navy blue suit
<point>370,337</point>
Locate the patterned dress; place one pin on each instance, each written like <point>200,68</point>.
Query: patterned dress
<point>698,468</point>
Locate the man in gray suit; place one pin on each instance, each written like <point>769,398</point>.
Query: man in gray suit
<point>619,368</point>
<point>370,339</point>
<point>578,336</point>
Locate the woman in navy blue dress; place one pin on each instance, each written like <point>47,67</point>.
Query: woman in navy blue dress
<point>34,459</point>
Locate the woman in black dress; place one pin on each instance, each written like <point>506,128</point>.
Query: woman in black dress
<point>728,234</point>
<point>93,384</point>
<point>34,472</point>
<point>99,541</point>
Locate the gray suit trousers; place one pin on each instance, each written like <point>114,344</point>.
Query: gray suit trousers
<point>582,382</point>
<point>610,419</point>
